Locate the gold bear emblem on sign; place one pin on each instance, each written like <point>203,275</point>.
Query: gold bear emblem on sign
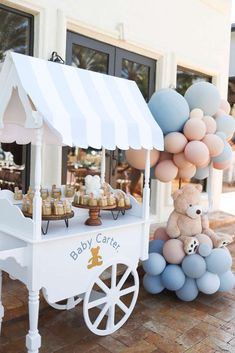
<point>96,259</point>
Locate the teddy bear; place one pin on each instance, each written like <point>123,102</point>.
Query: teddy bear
<point>93,185</point>
<point>187,220</point>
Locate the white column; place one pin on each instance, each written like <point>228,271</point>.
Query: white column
<point>102,168</point>
<point>37,201</point>
<point>146,191</point>
<point>1,306</point>
<point>33,338</point>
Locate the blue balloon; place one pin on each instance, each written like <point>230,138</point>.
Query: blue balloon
<point>170,110</point>
<point>204,249</point>
<point>194,266</point>
<point>156,246</point>
<point>209,283</point>
<point>201,173</point>
<point>203,95</point>
<point>153,284</point>
<point>173,277</point>
<point>189,291</point>
<point>155,264</point>
<point>225,155</point>
<point>227,281</point>
<point>219,261</point>
<point>226,124</point>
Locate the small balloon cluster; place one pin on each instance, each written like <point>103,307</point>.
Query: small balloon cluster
<point>168,267</point>
<point>197,129</point>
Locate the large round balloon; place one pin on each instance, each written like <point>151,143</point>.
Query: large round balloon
<point>175,142</point>
<point>225,106</point>
<point>156,246</point>
<point>226,123</point>
<point>219,261</point>
<point>165,156</point>
<point>189,290</point>
<point>208,283</point>
<point>194,266</point>
<point>166,171</point>
<point>155,264</point>
<point>187,173</point>
<point>214,144</point>
<point>197,153</point>
<point>161,234</point>
<point>152,284</point>
<point>227,281</point>
<point>196,114</point>
<point>137,158</point>
<point>180,161</point>
<point>203,95</point>
<point>225,155</point>
<point>170,110</point>
<point>222,166</point>
<point>173,277</point>
<point>210,124</point>
<point>194,129</point>
<point>173,251</point>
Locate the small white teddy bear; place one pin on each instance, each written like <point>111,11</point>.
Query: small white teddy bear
<point>93,185</point>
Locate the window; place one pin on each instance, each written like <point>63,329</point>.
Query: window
<point>185,78</point>
<point>87,53</point>
<point>16,34</point>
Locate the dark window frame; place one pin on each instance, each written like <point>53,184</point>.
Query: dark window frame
<point>26,149</point>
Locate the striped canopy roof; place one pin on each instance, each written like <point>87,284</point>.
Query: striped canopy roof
<point>74,106</point>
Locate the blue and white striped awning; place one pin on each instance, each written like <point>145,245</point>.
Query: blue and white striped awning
<point>76,107</point>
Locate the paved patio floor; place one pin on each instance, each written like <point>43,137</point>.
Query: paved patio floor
<point>159,324</point>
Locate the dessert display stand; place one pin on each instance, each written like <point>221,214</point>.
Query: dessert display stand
<point>77,257</point>
<point>49,218</point>
<point>94,213</point>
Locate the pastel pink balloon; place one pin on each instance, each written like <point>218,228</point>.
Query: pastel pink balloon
<point>161,234</point>
<point>180,161</point>
<point>206,163</point>
<point>210,124</point>
<point>175,142</point>
<point>204,239</point>
<point>173,251</point>
<point>187,173</point>
<point>218,113</point>
<point>197,153</point>
<point>136,158</point>
<point>194,129</point>
<point>225,106</point>
<point>222,166</point>
<point>166,171</point>
<point>165,156</point>
<point>214,144</point>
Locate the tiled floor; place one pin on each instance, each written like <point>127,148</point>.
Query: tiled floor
<point>159,324</point>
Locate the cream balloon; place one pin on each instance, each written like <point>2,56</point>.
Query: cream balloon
<point>197,153</point>
<point>214,144</point>
<point>196,113</point>
<point>180,161</point>
<point>175,142</point>
<point>210,124</point>
<point>137,158</point>
<point>166,171</point>
<point>225,106</point>
<point>194,129</point>
<point>187,173</point>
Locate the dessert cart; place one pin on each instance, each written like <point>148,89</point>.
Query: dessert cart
<point>44,102</point>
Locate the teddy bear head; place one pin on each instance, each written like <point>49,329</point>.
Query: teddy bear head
<point>93,185</point>
<point>187,200</point>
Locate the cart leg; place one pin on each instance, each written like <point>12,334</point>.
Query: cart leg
<point>1,306</point>
<point>33,339</point>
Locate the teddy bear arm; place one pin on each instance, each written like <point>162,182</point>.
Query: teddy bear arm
<point>172,228</point>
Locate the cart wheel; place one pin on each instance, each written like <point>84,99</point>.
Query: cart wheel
<point>65,304</point>
<point>107,305</point>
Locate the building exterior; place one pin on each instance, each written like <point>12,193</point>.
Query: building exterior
<point>169,38</point>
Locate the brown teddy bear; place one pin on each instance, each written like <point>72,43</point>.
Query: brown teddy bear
<point>187,220</point>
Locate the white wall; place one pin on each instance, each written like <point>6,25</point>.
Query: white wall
<point>232,56</point>
<point>192,33</point>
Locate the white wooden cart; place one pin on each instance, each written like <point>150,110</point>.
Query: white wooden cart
<point>43,102</point>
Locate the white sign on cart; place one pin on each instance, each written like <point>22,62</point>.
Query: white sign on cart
<point>43,102</point>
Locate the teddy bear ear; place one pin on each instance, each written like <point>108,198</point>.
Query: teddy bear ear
<point>198,187</point>
<point>176,194</point>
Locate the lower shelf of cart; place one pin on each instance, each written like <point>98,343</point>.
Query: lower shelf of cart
<point>11,247</point>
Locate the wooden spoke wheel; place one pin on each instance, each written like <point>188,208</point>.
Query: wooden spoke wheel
<point>65,304</point>
<point>107,306</point>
